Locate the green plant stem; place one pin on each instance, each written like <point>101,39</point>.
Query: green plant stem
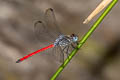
<point>83,40</point>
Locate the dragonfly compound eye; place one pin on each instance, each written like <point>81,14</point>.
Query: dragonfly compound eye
<point>75,38</point>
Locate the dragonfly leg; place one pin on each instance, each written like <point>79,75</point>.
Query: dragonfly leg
<point>64,48</point>
<point>73,46</point>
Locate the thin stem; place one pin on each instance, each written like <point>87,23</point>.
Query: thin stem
<point>83,40</point>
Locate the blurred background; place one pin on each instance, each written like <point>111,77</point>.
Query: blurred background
<point>98,59</point>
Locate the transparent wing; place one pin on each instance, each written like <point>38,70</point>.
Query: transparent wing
<point>54,53</point>
<point>47,31</point>
<point>51,22</point>
<point>42,33</point>
<point>58,54</point>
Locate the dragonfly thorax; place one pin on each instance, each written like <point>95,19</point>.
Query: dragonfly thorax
<point>64,40</point>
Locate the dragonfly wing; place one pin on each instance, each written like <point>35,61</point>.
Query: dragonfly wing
<point>58,51</point>
<point>47,30</point>
<point>51,22</point>
<point>58,54</point>
<point>42,33</point>
<point>61,55</point>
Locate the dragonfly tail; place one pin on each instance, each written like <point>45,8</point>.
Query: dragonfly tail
<point>18,61</point>
<point>31,54</point>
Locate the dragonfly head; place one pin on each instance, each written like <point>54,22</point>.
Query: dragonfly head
<point>74,38</point>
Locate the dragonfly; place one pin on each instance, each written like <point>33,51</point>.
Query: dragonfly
<point>47,31</point>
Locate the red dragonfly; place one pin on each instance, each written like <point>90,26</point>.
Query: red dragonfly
<point>48,31</point>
